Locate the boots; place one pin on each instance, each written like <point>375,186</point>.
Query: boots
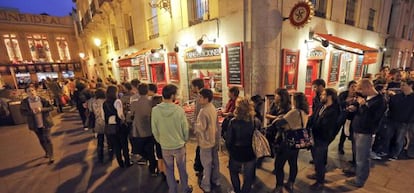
<point>289,187</point>
<point>278,189</point>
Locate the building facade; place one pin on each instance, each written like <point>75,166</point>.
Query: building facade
<point>34,47</point>
<point>255,45</point>
<point>400,41</point>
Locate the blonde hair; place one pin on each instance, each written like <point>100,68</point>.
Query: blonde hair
<point>244,109</point>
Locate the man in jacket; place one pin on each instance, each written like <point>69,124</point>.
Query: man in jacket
<point>318,85</point>
<point>324,128</point>
<point>36,109</point>
<point>143,140</point>
<point>401,115</point>
<point>196,86</point>
<point>170,129</point>
<point>208,137</point>
<point>368,115</point>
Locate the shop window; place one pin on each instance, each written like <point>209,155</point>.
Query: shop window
<point>198,11</point>
<point>115,38</point>
<point>371,19</point>
<point>12,46</point>
<point>320,8</point>
<point>152,24</point>
<point>350,12</point>
<point>129,30</point>
<point>39,47</point>
<point>62,45</point>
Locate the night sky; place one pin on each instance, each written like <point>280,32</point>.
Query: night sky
<point>51,7</point>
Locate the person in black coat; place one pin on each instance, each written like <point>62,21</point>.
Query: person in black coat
<point>325,126</point>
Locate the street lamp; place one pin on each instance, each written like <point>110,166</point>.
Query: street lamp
<point>82,55</point>
<point>97,42</point>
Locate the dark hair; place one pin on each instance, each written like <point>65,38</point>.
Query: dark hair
<point>394,71</point>
<point>284,99</point>
<point>143,89</point>
<point>169,90</point>
<point>409,82</point>
<point>384,67</point>
<point>235,90</point>
<point>332,92</point>
<point>319,82</point>
<point>350,83</point>
<point>198,82</point>
<point>152,87</point>
<point>111,93</point>
<point>257,99</point>
<point>156,99</point>
<point>301,102</point>
<point>207,93</point>
<point>135,82</point>
<point>27,87</point>
<point>100,93</point>
<point>128,86</point>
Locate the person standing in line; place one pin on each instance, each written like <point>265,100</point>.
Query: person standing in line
<point>97,109</point>
<point>401,111</point>
<point>37,111</point>
<point>208,136</point>
<point>143,139</point>
<point>295,119</point>
<point>196,86</point>
<point>368,115</point>
<point>114,117</point>
<point>346,98</point>
<point>318,86</point>
<point>239,144</point>
<point>233,94</point>
<point>170,129</point>
<point>325,126</point>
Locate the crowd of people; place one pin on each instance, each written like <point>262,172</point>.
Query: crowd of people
<point>376,115</point>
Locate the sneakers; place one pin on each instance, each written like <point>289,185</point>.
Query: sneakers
<point>142,161</point>
<point>353,182</point>
<point>374,156</point>
<point>394,158</point>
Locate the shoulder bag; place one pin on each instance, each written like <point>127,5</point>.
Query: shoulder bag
<point>299,138</point>
<point>260,144</point>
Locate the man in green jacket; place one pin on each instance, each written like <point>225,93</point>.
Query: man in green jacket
<point>170,128</point>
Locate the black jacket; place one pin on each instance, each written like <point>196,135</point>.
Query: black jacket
<point>326,125</point>
<point>239,139</point>
<point>401,108</point>
<point>368,116</point>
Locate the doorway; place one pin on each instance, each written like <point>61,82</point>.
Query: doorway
<point>312,73</point>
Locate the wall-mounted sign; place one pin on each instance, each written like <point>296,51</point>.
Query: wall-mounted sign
<point>317,53</point>
<point>333,73</point>
<point>156,58</point>
<point>142,67</point>
<point>370,57</point>
<point>358,67</point>
<point>208,52</point>
<point>234,59</point>
<point>290,69</point>
<point>173,67</point>
<point>301,14</point>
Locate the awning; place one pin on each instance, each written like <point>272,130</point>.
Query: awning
<point>126,62</point>
<point>370,54</point>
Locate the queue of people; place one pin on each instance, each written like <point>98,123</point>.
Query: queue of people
<point>376,118</point>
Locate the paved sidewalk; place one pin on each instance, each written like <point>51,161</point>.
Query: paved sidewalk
<point>24,170</point>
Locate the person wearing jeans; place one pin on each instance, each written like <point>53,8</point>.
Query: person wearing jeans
<point>369,111</point>
<point>208,137</point>
<point>170,129</point>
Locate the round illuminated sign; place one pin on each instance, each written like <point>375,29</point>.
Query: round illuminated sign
<point>301,14</point>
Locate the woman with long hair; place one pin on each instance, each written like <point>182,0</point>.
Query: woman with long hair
<point>239,144</point>
<point>279,107</point>
<point>116,132</point>
<point>295,119</point>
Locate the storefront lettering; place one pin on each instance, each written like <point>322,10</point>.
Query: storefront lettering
<point>16,17</point>
<point>206,52</point>
<point>316,54</point>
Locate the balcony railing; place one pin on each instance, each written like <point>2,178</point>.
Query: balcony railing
<point>153,30</point>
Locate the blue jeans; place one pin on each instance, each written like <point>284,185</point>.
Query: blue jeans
<point>399,130</point>
<point>363,144</point>
<point>210,161</point>
<point>291,156</point>
<point>248,175</point>
<point>320,158</point>
<point>180,157</point>
<point>410,150</point>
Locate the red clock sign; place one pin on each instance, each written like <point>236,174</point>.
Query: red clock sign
<point>301,14</point>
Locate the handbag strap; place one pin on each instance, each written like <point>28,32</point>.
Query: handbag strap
<point>301,120</point>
